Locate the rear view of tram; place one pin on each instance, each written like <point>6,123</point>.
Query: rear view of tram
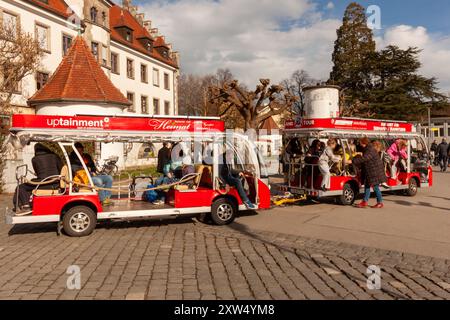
<point>306,139</point>
<point>71,199</point>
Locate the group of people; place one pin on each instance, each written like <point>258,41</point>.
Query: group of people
<point>441,154</point>
<point>172,168</point>
<point>370,158</point>
<point>47,164</point>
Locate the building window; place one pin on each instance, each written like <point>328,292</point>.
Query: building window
<point>94,14</point>
<point>144,77</point>
<point>166,81</point>
<point>144,105</point>
<point>104,18</point>
<point>104,56</point>
<point>130,97</point>
<point>167,108</point>
<point>130,68</point>
<point>129,36</point>
<point>41,79</point>
<point>94,49</point>
<point>11,86</point>
<point>156,107</point>
<point>66,43</point>
<point>114,63</point>
<point>146,151</point>
<point>9,21</point>
<point>156,77</point>
<point>441,132</point>
<point>43,37</point>
<point>5,122</point>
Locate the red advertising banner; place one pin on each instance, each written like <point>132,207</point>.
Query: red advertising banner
<point>349,124</point>
<point>109,123</point>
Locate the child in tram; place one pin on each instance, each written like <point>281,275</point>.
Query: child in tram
<point>324,160</point>
<point>397,152</point>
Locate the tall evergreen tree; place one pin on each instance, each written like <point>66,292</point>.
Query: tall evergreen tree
<point>398,90</point>
<point>352,48</point>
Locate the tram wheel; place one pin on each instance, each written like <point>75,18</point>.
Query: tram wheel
<point>79,221</point>
<point>348,196</point>
<point>223,211</point>
<point>413,187</point>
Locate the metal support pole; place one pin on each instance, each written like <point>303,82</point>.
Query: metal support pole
<point>429,127</point>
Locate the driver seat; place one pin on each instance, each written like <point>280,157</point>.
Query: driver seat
<point>54,192</point>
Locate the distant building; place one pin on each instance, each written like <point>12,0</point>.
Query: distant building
<point>440,128</point>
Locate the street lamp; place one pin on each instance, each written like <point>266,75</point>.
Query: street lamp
<point>429,127</point>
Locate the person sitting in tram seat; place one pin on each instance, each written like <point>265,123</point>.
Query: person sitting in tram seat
<point>45,164</point>
<point>383,156</point>
<point>99,180</point>
<point>315,150</point>
<point>166,179</point>
<point>232,178</point>
<point>398,154</point>
<point>164,158</point>
<point>324,163</point>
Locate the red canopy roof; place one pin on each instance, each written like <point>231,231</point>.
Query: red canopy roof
<point>79,78</point>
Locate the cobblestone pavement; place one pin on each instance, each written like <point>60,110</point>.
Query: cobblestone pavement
<point>184,259</point>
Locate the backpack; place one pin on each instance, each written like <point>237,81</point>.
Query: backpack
<point>150,195</point>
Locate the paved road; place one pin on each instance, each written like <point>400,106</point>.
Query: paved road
<point>419,225</point>
<point>184,259</point>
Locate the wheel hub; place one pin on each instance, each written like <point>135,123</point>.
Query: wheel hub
<point>225,212</point>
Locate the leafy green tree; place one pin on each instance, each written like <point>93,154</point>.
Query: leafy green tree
<point>352,49</point>
<point>398,90</point>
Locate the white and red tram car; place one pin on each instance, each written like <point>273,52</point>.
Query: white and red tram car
<point>77,210</point>
<point>304,178</point>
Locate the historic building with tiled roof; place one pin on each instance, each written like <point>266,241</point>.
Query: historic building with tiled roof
<point>131,52</point>
<point>99,58</point>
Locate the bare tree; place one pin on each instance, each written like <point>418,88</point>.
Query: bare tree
<point>253,106</point>
<point>299,80</point>
<point>20,56</point>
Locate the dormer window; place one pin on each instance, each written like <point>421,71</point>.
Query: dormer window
<point>125,32</point>
<point>94,14</point>
<point>146,43</point>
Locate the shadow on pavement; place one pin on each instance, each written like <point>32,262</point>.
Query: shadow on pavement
<point>247,232</point>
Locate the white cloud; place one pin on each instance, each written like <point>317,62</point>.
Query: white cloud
<point>330,5</point>
<point>271,39</point>
<point>435,55</point>
<point>253,38</point>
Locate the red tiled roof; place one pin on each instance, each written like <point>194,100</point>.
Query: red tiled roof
<point>119,17</point>
<point>269,124</point>
<point>58,7</point>
<point>79,78</point>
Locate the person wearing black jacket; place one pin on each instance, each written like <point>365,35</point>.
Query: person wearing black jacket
<point>442,151</point>
<point>434,154</point>
<point>232,178</point>
<point>45,164</point>
<point>164,157</point>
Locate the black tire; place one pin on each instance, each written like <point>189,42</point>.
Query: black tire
<point>348,196</point>
<point>413,188</point>
<point>79,221</point>
<point>223,212</point>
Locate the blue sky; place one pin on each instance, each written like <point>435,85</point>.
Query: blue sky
<point>432,14</point>
<point>273,38</point>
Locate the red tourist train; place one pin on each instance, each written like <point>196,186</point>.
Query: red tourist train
<point>302,174</point>
<point>77,210</point>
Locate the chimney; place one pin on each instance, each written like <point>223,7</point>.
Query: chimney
<point>154,32</point>
<point>140,18</point>
<point>175,56</point>
<point>148,25</point>
<point>126,4</point>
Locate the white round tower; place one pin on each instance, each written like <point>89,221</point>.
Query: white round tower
<point>321,102</point>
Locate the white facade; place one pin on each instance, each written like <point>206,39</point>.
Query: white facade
<point>52,28</point>
<point>30,16</point>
